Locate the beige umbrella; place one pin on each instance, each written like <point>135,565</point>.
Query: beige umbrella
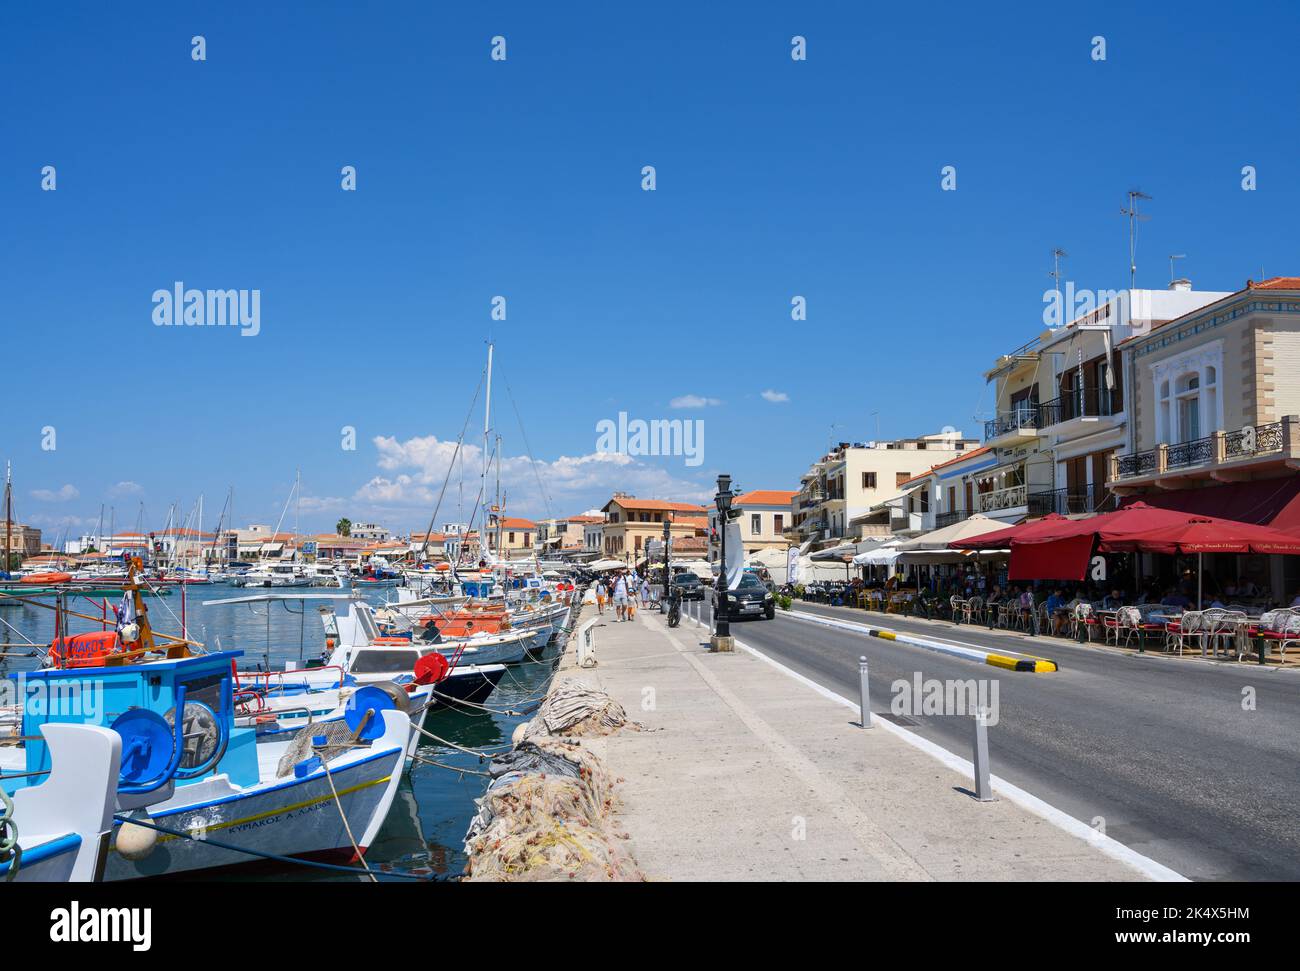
<point>939,539</point>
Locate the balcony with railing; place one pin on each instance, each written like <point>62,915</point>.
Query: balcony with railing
<point>1221,455</point>
<point>943,519</point>
<point>1023,419</point>
<point>1000,499</point>
<point>1083,403</point>
<point>1069,501</point>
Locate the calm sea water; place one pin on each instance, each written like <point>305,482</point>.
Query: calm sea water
<point>434,805</point>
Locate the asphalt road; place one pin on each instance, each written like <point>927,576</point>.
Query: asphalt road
<point>1162,749</point>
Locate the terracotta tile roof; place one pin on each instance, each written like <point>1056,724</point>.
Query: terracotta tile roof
<point>631,502</point>
<point>962,457</point>
<point>766,497</point>
<point>1275,283</point>
<point>585,519</point>
<point>514,522</point>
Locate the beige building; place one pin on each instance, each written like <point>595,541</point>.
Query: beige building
<point>846,483</point>
<point>565,535</point>
<point>518,537</point>
<point>631,522</point>
<point>23,540</point>
<point>1215,394</point>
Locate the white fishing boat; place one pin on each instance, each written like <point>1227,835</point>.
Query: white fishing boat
<point>61,825</point>
<point>278,574</point>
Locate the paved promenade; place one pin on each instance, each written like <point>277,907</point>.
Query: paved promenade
<point>743,772</point>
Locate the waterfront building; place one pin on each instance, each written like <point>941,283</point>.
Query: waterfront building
<point>629,523</point>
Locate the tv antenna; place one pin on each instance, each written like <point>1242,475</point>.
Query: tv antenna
<point>1172,257</point>
<point>1058,254</point>
<point>1134,217</point>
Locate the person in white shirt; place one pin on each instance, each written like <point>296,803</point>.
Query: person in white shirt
<point>620,598</point>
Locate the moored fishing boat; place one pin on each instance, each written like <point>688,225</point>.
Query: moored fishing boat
<point>196,790</point>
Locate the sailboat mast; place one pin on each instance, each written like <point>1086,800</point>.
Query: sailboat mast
<point>9,513</point>
<point>487,427</point>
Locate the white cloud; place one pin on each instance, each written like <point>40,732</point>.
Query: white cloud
<point>64,494</point>
<point>420,465</point>
<point>126,488</point>
<point>776,397</point>
<point>693,401</point>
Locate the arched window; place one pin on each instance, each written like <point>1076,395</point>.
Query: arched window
<point>1189,407</point>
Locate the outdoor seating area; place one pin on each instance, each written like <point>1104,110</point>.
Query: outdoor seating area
<point>1191,585</point>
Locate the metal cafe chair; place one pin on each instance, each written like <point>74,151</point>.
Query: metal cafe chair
<point>973,610</point>
<point>958,607</point>
<point>1083,620</point>
<point>1187,630</point>
<point>1280,627</point>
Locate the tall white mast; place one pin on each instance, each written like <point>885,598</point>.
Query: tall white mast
<point>487,425</point>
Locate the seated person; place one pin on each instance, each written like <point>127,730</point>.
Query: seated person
<point>1175,598</point>
<point>1114,600</point>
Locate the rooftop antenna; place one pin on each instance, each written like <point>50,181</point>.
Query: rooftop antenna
<point>1134,217</point>
<point>1172,257</point>
<point>1058,254</point>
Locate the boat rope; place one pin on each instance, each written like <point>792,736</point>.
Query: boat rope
<point>482,754</point>
<point>317,864</point>
<point>9,848</point>
<point>452,768</point>
<point>329,776</point>
<point>459,442</point>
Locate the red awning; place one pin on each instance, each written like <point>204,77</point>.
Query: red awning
<point>1265,502</point>
<point>1001,539</point>
<point>1204,535</point>
<point>1062,559</point>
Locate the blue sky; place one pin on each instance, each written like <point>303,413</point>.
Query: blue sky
<point>522,178</point>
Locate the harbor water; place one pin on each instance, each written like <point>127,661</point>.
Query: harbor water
<point>425,829</point>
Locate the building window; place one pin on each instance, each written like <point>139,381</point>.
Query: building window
<point>755,524</point>
<point>900,478</point>
<point>868,480</point>
<point>778,524</point>
<point>1189,407</point>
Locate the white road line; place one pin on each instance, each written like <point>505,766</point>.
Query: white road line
<point>1062,820</point>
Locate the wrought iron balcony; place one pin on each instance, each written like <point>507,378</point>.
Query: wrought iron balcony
<point>1084,403</point>
<point>943,519</point>
<point>1067,501</point>
<point>1021,418</point>
<point>1248,442</point>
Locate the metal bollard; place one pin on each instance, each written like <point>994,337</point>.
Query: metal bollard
<point>983,788</point>
<point>864,687</point>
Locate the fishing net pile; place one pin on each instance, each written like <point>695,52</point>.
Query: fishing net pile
<point>574,709</point>
<point>338,740</point>
<point>547,813</point>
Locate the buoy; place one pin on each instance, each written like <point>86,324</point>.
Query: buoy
<point>135,842</point>
<point>431,668</point>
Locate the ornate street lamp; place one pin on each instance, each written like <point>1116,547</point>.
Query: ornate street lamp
<point>722,630</point>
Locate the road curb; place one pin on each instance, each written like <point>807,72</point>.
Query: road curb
<point>1027,663</point>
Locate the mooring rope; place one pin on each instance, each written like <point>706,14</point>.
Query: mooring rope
<point>317,864</point>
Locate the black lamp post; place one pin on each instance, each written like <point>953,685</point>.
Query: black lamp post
<point>723,501</point>
<point>663,600</point>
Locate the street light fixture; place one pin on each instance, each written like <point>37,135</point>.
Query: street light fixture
<point>722,631</point>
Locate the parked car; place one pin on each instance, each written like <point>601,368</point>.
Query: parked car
<point>750,599</point>
<point>688,585</point>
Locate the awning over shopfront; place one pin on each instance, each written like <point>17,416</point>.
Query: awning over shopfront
<point>839,552</point>
<point>1002,538</point>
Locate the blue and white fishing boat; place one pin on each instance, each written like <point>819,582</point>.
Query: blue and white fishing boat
<point>196,790</point>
